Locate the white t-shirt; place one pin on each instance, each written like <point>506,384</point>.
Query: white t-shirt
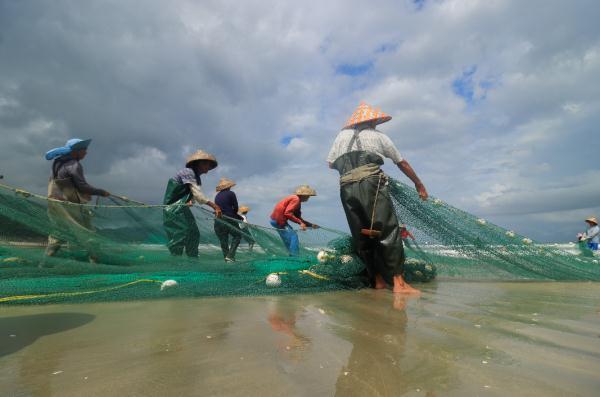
<point>593,234</point>
<point>370,141</point>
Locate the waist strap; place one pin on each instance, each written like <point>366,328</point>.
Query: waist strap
<point>359,173</point>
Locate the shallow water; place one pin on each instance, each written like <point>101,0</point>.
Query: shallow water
<point>496,339</point>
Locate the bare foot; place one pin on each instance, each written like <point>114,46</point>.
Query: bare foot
<point>402,287</point>
<point>379,282</point>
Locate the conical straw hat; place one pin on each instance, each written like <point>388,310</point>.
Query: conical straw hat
<point>364,113</point>
<point>305,190</point>
<point>201,155</point>
<point>225,183</point>
<point>592,219</point>
<point>244,208</point>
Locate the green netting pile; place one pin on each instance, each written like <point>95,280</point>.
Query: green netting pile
<point>132,262</point>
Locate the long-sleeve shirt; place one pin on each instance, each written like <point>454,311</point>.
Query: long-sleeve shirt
<point>289,209</point>
<point>227,200</point>
<point>72,169</point>
<point>593,234</point>
<point>187,176</point>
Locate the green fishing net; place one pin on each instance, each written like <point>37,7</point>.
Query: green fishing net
<point>116,250</point>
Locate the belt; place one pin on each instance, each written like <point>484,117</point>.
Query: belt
<point>359,173</point>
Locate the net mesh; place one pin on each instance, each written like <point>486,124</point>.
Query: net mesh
<point>127,243</point>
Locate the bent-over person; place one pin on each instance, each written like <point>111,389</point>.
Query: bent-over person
<point>290,209</point>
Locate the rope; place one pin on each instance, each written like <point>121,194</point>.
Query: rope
<point>375,202</point>
<point>313,274</point>
<point>68,294</point>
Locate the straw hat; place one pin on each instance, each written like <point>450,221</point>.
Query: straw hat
<point>592,219</point>
<point>243,209</point>
<point>201,155</point>
<point>305,190</point>
<point>364,113</point>
<point>225,183</point>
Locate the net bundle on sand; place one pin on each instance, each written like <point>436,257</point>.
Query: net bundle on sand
<point>131,261</point>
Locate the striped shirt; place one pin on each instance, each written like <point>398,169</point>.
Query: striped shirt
<point>187,176</point>
<point>369,140</point>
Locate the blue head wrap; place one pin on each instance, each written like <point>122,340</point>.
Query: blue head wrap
<point>72,144</point>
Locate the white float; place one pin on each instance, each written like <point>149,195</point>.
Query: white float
<point>273,280</point>
<point>168,284</point>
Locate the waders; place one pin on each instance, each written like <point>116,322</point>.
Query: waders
<point>370,213</point>
<point>178,220</point>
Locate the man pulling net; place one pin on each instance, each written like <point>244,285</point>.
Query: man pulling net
<point>357,154</point>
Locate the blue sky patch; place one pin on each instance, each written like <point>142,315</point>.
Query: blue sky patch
<point>463,86</point>
<point>419,4</point>
<point>349,69</point>
<point>471,88</point>
<point>287,139</point>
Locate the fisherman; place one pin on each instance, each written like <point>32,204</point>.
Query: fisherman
<point>592,235</point>
<point>228,225</point>
<point>182,190</point>
<point>67,183</point>
<point>243,212</point>
<point>357,154</point>
<point>289,209</point>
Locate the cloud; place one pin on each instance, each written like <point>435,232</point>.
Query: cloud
<point>495,114</point>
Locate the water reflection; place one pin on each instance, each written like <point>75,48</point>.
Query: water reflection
<point>282,318</point>
<point>373,367</point>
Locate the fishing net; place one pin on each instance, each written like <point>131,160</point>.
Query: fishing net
<point>116,250</point>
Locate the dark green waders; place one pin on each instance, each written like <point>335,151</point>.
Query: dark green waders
<point>383,254</point>
<point>178,220</point>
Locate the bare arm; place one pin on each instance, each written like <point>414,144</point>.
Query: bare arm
<point>412,175</point>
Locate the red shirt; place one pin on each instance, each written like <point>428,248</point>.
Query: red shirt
<point>288,209</point>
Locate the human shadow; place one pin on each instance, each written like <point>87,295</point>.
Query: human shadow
<point>18,332</point>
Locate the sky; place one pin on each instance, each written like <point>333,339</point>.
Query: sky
<point>495,104</point>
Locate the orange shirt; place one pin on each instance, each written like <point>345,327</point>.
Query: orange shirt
<point>287,209</point>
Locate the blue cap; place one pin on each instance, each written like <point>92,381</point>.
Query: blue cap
<point>72,144</point>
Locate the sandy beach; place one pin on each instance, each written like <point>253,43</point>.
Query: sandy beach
<point>496,339</point>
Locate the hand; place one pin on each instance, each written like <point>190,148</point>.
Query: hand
<point>303,226</point>
<point>190,203</point>
<point>218,212</point>
<point>315,226</point>
<point>423,195</point>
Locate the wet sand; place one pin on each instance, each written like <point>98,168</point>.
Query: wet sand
<point>458,339</point>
